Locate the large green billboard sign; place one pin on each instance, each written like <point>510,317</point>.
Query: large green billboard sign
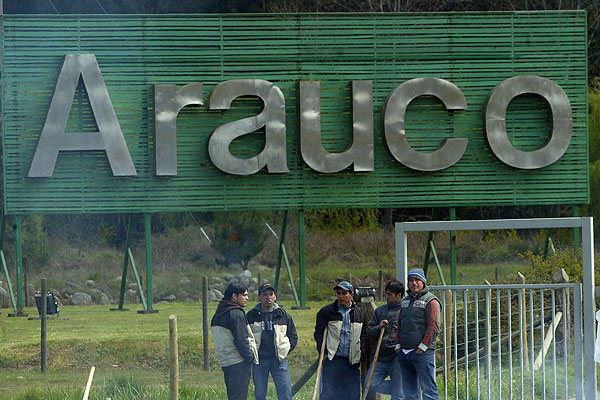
<point>232,112</point>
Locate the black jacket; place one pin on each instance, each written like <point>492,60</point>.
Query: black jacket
<point>232,336</point>
<point>278,339</point>
<point>390,312</point>
<point>330,313</point>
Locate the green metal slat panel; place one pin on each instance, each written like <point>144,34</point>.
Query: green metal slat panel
<point>475,51</point>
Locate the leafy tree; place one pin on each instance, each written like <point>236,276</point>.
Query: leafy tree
<point>593,208</point>
<point>238,237</point>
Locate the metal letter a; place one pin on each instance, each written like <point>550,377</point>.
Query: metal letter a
<point>54,138</point>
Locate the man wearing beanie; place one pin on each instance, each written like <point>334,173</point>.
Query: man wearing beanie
<point>419,324</point>
<point>345,344</point>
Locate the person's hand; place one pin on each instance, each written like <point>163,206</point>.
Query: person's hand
<point>383,324</point>
<point>419,351</point>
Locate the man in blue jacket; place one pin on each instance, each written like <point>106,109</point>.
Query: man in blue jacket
<point>234,341</point>
<point>275,335</point>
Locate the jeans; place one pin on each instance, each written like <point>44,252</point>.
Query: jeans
<point>237,380</point>
<point>340,380</point>
<point>418,370</point>
<point>281,377</point>
<point>379,384</point>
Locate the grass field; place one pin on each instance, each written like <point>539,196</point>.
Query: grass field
<point>129,350</point>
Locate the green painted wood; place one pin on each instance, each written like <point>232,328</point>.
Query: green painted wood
<point>475,51</point>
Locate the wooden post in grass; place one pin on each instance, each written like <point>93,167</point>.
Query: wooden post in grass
<point>88,386</point>
<point>380,288</point>
<point>44,306</point>
<point>174,358</point>
<point>561,276</point>
<point>205,320</point>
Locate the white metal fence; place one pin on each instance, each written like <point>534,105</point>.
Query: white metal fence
<point>510,341</point>
<point>490,383</point>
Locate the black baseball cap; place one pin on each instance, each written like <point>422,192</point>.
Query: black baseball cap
<point>264,287</point>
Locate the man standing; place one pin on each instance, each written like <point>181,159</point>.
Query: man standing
<point>417,331</point>
<point>386,317</point>
<point>345,344</point>
<point>234,341</point>
<point>276,337</point>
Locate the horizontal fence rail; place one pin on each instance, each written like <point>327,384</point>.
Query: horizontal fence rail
<point>510,342</point>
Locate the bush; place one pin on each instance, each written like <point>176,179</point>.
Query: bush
<point>542,268</point>
<point>342,221</point>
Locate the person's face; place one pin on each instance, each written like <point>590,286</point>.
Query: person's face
<point>267,299</point>
<point>392,297</point>
<point>343,297</point>
<point>241,298</point>
<point>415,285</point>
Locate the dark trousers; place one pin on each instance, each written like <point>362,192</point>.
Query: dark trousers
<point>237,380</point>
<point>340,380</point>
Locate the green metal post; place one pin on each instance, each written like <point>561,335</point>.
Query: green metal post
<point>453,279</point>
<point>8,282</point>
<point>576,237</point>
<point>149,291</point>
<point>19,256</point>
<point>301,258</point>
<point>19,245</point>
<point>291,277</point>
<point>2,228</point>
<point>280,252</point>
<point>125,264</point>
<point>437,263</point>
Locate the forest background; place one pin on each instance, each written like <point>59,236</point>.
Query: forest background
<point>78,248</point>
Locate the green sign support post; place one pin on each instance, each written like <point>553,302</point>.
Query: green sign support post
<point>302,261</point>
<point>128,257</point>
<point>281,249</point>
<point>19,259</point>
<point>4,266</point>
<point>149,290</point>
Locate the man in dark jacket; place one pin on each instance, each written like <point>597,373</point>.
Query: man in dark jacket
<point>345,344</point>
<point>234,341</point>
<point>417,331</point>
<point>275,335</point>
<point>386,317</point>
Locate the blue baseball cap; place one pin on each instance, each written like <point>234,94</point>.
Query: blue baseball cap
<point>417,273</point>
<point>344,285</point>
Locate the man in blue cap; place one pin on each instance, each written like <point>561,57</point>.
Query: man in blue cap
<point>345,344</point>
<point>418,326</point>
<point>275,335</point>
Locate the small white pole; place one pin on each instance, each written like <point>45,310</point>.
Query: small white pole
<point>89,384</point>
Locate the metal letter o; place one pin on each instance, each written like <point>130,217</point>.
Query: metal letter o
<point>495,121</point>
